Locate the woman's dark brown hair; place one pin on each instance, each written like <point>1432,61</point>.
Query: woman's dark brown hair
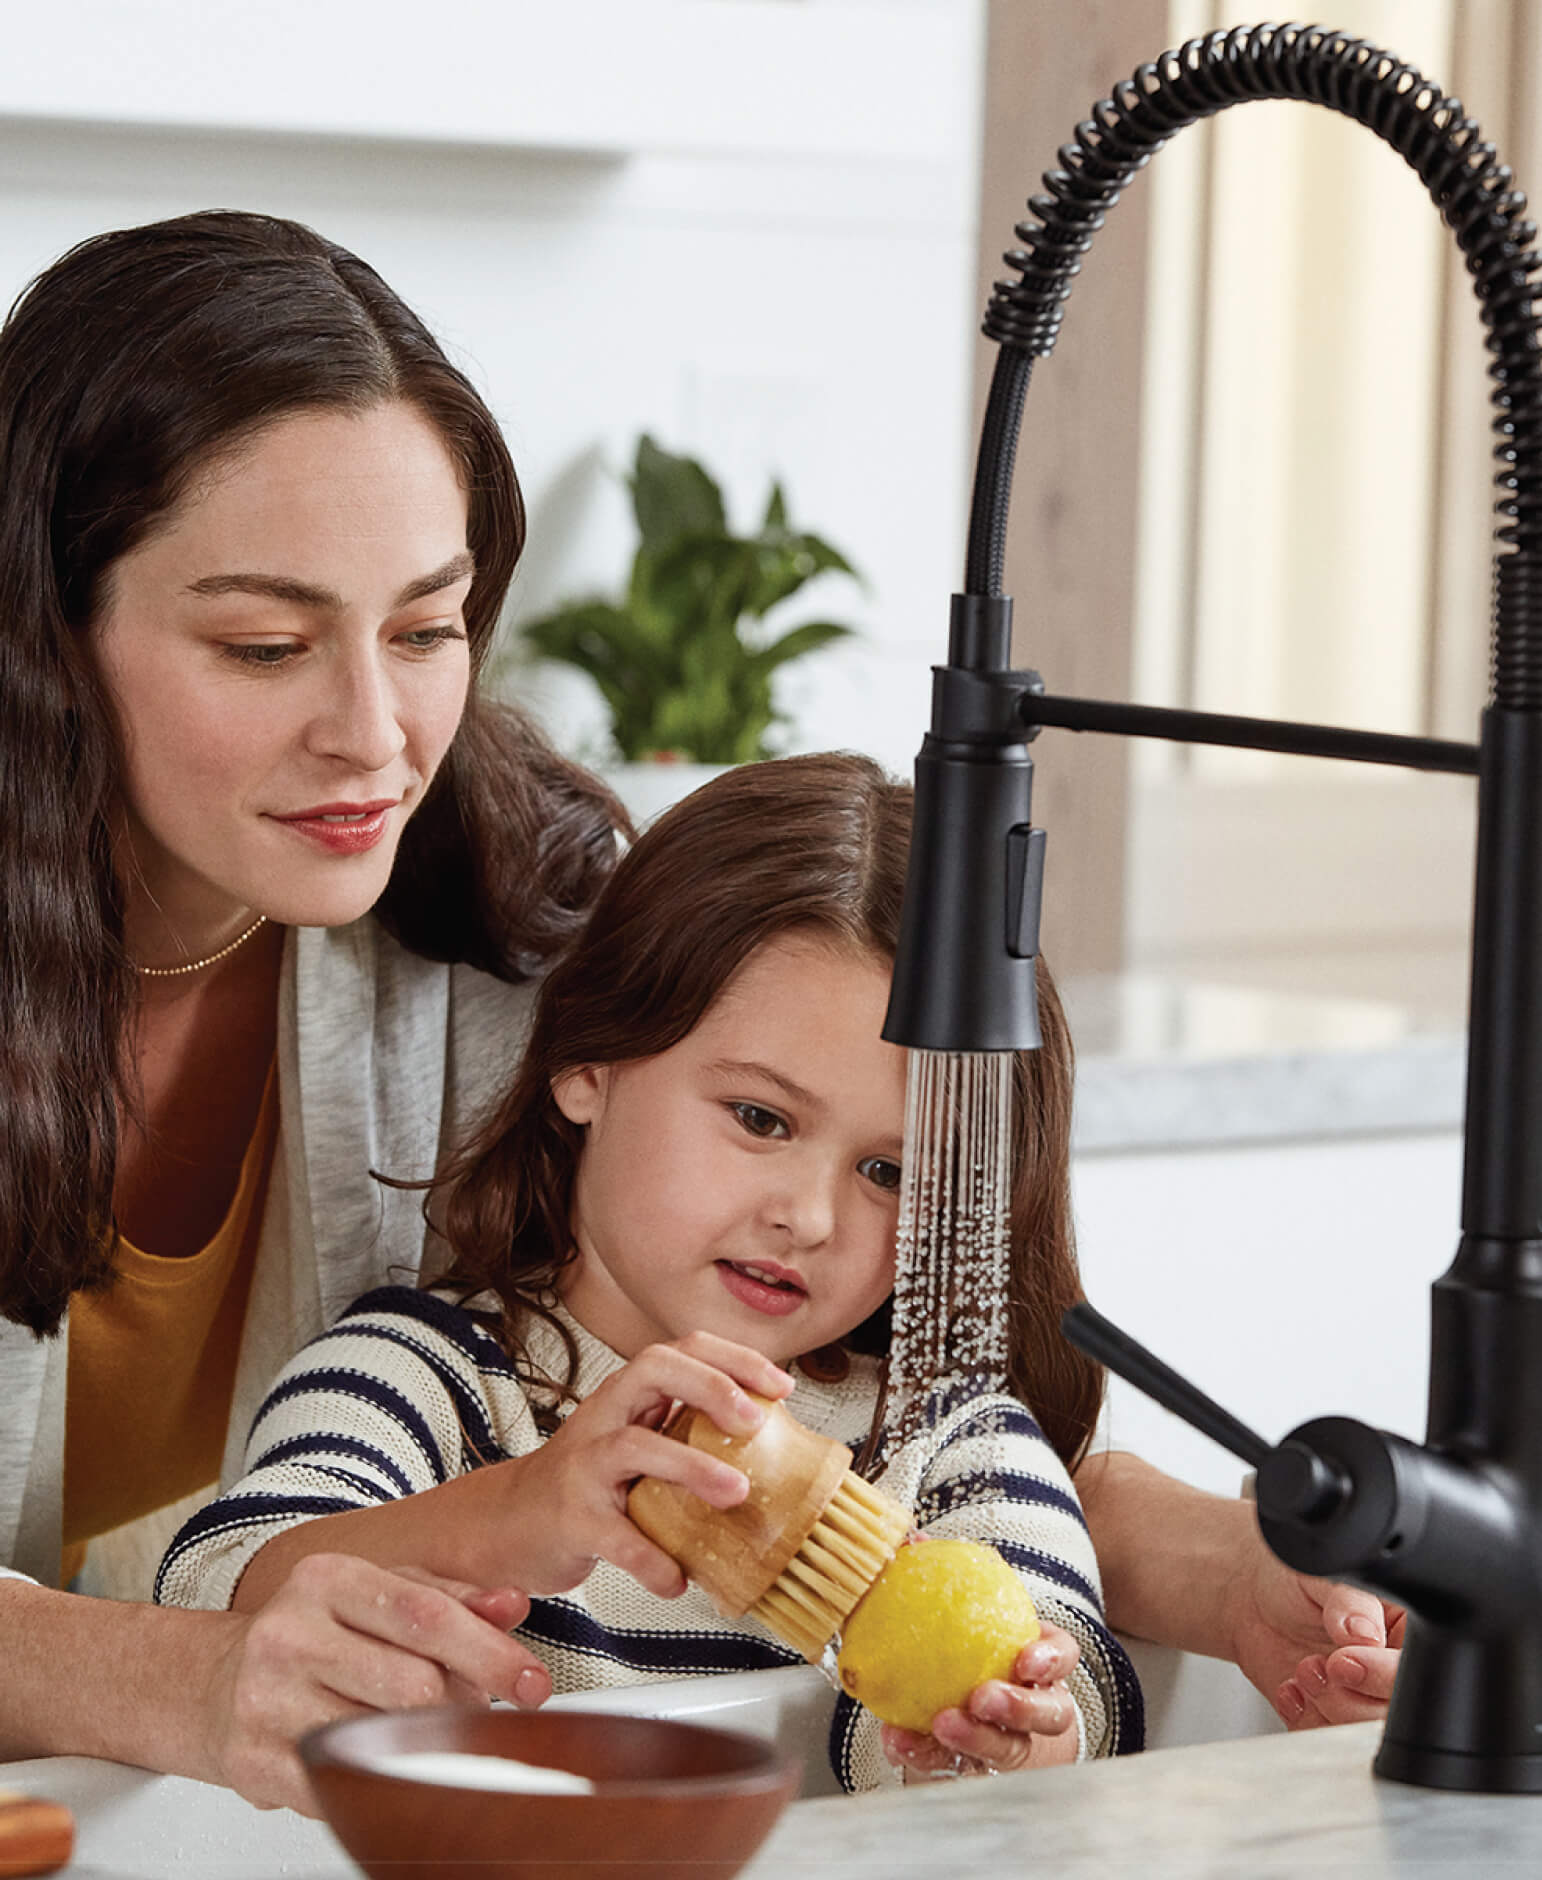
<point>812,844</point>
<point>130,366</point>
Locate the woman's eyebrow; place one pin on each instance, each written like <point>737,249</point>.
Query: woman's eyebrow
<point>294,593</point>
<point>459,567</point>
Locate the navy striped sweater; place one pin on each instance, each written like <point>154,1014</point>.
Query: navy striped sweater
<point>408,1390</point>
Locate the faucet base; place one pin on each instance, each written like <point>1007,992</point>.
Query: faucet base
<point>1466,1711</point>
<point>1450,1769</point>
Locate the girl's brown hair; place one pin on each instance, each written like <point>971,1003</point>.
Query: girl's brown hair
<point>127,369</point>
<point>816,844</point>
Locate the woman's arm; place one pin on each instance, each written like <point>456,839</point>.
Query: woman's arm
<point>224,1698</point>
<point>1188,1569</point>
<point>1169,1554</point>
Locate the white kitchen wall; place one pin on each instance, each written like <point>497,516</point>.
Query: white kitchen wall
<point>745,225</point>
<point>1289,1281</point>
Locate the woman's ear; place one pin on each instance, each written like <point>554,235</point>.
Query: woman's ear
<point>580,1094</point>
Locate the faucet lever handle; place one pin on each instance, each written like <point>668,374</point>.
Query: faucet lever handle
<point>1100,1338</point>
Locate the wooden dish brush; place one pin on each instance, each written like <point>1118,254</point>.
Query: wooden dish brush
<point>802,1547</point>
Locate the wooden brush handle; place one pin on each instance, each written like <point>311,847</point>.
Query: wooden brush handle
<point>736,1553</point>
<point>35,1837</point>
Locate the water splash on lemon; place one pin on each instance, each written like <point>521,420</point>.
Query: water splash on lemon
<point>942,1617</point>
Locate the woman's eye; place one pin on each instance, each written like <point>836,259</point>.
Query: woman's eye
<point>880,1171</point>
<point>261,653</point>
<point>427,639</point>
<point>763,1123</point>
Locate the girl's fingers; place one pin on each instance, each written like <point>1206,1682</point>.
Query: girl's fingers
<point>997,1729</point>
<point>1018,1710</point>
<point>636,1451</point>
<point>751,1368</point>
<point>631,1550</point>
<point>960,1735</point>
<point>1049,1659</point>
<point>922,1755</point>
<point>716,1385</point>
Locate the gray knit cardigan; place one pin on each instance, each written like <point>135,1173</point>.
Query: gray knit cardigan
<point>383,1059</point>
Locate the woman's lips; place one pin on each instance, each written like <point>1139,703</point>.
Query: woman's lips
<point>341,829</point>
<point>776,1300</point>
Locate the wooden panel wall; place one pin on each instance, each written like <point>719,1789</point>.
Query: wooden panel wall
<point>1070,563</point>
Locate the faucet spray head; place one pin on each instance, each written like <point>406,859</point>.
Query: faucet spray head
<point>969,926</point>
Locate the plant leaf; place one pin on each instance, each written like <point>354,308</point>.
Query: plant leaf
<point>698,586</point>
<point>673,497</point>
<point>796,642</point>
<point>628,665</point>
<point>674,663</point>
<point>785,562</point>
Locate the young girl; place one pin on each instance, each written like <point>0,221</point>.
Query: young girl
<point>692,1185</point>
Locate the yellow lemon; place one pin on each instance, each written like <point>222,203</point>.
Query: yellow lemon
<point>942,1617</point>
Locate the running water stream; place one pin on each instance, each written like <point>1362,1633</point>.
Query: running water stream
<point>952,1269</point>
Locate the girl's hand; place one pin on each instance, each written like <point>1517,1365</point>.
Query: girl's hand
<point>1025,1722</point>
<point>340,1638</point>
<point>565,1504</point>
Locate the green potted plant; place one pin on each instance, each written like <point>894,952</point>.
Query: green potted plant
<point>682,661</point>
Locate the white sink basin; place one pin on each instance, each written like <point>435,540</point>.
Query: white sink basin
<point>790,1706</point>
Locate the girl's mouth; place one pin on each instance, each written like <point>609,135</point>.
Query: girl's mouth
<point>762,1288</point>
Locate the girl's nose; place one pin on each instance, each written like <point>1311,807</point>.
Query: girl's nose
<point>359,722</point>
<point>805,1208</point>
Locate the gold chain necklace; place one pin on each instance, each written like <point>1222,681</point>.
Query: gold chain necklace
<point>197,966</point>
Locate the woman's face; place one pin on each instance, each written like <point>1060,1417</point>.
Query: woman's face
<point>288,663</point>
<point>746,1181</point>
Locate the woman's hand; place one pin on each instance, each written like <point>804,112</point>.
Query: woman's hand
<point>342,1637</point>
<point>1319,1651</point>
<point>564,1506</point>
<point>1352,1681</point>
<point>1025,1722</point>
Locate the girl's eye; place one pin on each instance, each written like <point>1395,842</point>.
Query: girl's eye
<point>264,654</point>
<point>765,1124</point>
<point>880,1171</point>
<point>428,639</point>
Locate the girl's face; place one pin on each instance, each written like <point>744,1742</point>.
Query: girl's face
<point>745,1182</point>
<point>288,663</point>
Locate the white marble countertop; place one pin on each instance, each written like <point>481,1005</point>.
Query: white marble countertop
<point>1268,1808</point>
<point>1169,1063</point>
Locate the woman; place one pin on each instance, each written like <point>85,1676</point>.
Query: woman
<point>255,533</point>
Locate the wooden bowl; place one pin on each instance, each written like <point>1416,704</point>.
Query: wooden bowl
<point>668,1798</point>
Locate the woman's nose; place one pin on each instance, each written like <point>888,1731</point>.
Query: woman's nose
<point>359,721</point>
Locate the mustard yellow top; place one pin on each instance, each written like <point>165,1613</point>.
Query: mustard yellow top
<point>152,1365</point>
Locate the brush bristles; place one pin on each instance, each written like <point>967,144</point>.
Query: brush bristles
<point>841,1556</point>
